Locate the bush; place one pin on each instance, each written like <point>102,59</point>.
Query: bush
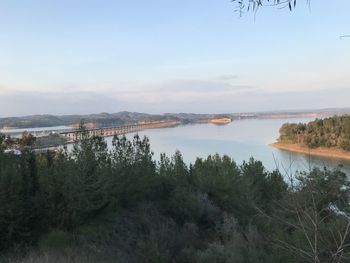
<point>56,241</point>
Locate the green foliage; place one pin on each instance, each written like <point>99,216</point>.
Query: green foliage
<point>331,132</point>
<point>313,218</point>
<point>21,201</point>
<point>98,205</point>
<point>2,141</point>
<point>55,240</point>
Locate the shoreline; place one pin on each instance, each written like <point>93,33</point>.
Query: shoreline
<point>321,151</point>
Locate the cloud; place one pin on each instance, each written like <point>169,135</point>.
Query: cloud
<point>173,96</point>
<point>28,103</point>
<point>233,100</point>
<point>3,90</point>
<point>227,77</point>
<point>156,97</point>
<point>180,91</point>
<point>200,86</point>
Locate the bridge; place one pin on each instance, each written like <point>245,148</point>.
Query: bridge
<point>75,135</point>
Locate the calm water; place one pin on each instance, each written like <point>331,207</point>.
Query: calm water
<point>239,139</point>
<point>37,131</point>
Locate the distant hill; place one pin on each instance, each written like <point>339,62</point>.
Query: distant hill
<point>124,117</point>
<point>98,120</point>
<point>31,121</point>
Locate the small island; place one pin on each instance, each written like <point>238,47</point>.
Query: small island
<point>220,121</point>
<point>328,137</point>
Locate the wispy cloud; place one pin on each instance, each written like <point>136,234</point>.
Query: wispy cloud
<point>181,91</point>
<point>173,96</point>
<point>28,103</point>
<point>228,77</point>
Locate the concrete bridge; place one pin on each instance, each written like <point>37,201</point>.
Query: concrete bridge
<point>74,135</point>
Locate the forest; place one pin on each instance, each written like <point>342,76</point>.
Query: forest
<point>99,205</point>
<point>333,132</point>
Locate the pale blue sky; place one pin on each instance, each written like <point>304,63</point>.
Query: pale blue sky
<point>85,56</point>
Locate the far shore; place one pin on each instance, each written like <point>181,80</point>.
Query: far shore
<point>321,151</point>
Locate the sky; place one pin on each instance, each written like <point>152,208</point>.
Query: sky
<point>160,56</point>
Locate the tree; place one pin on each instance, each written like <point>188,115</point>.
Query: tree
<point>312,221</point>
<point>27,140</point>
<point>21,203</point>
<point>331,132</point>
<point>133,177</point>
<point>253,5</point>
<point>90,161</point>
<point>120,204</point>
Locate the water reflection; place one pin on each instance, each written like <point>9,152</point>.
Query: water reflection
<point>240,140</point>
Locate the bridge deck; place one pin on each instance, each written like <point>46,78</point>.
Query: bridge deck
<point>118,130</point>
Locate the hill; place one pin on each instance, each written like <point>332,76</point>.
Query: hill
<point>124,117</point>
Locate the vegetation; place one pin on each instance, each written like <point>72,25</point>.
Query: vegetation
<point>50,140</point>
<point>98,120</point>
<point>104,119</point>
<point>253,5</point>
<point>125,118</point>
<point>119,205</point>
<point>331,132</point>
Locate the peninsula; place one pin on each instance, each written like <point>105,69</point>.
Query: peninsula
<point>328,137</point>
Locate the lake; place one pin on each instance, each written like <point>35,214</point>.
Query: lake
<point>16,132</point>
<point>240,140</point>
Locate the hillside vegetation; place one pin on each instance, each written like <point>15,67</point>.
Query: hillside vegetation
<point>96,205</point>
<point>333,132</point>
<point>124,118</point>
<point>98,120</point>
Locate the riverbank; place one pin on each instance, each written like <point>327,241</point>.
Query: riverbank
<point>321,151</point>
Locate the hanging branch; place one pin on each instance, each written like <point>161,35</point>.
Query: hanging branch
<point>254,5</point>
